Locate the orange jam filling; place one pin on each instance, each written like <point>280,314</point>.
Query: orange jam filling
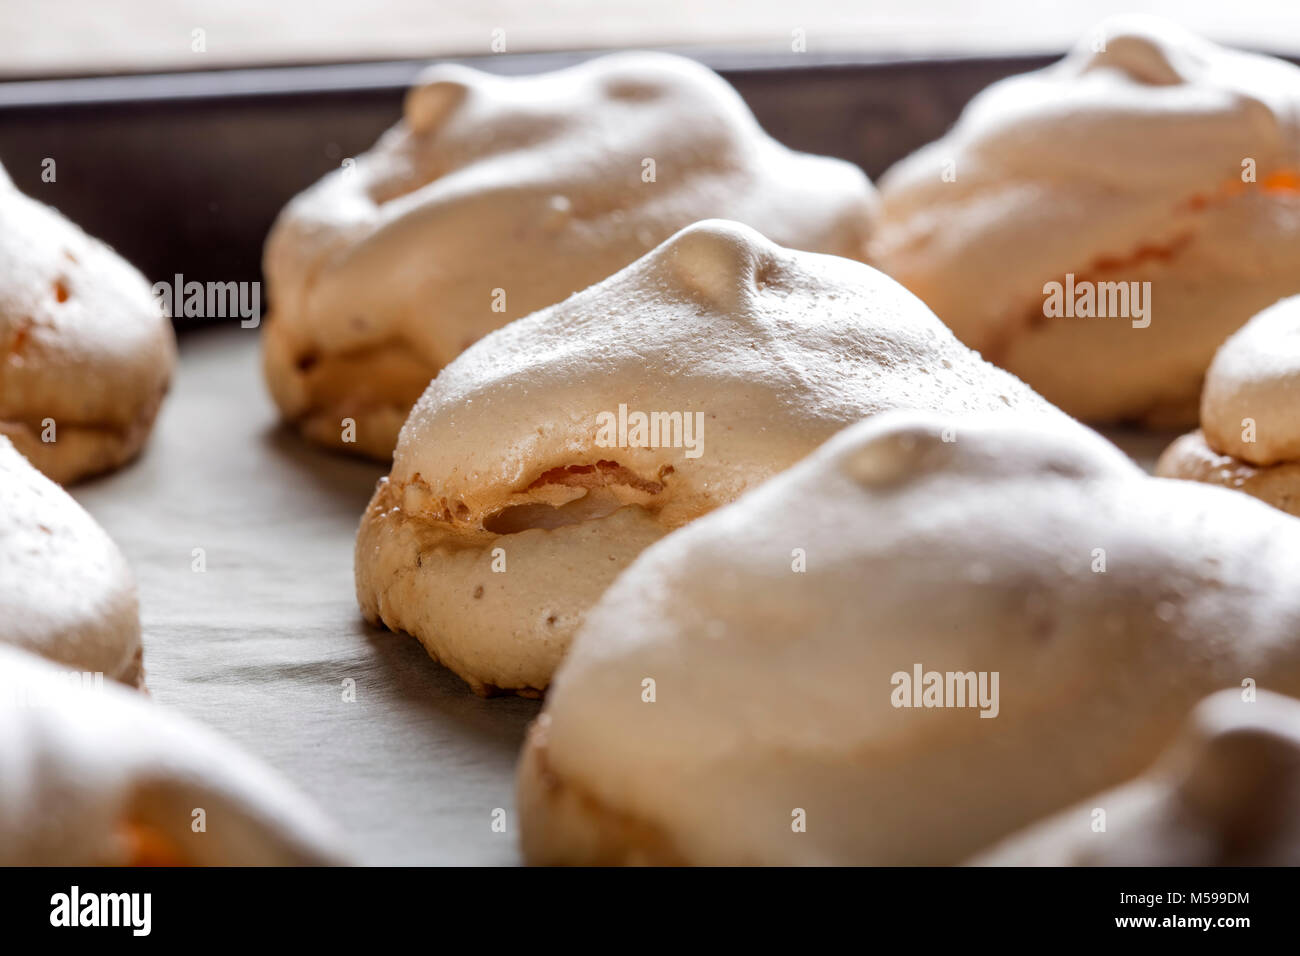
<point>147,846</point>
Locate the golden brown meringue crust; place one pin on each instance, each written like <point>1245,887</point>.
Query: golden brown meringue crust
<point>773,688</point>
<point>501,459</point>
<point>1250,414</point>
<point>102,776</point>
<point>579,829</point>
<point>433,577</point>
<point>1192,459</point>
<point>1117,165</point>
<point>498,196</point>
<point>83,344</point>
<point>374,386</point>
<point>66,591</point>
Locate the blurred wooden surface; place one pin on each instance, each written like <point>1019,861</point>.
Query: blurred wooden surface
<point>51,37</point>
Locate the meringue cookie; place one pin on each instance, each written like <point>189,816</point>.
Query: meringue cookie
<point>1226,793</point>
<point>65,589</point>
<point>1163,159</point>
<point>520,487</point>
<point>96,775</point>
<point>717,699</point>
<point>86,353</point>
<point>1250,414</point>
<point>497,196</point>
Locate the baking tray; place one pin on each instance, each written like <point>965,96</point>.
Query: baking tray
<point>184,173</point>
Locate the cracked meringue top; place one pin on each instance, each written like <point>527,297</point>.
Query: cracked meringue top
<point>776,349</point>
<point>740,355</point>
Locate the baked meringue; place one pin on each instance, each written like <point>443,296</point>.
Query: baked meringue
<point>1163,164</point>
<point>97,775</point>
<point>66,592</point>
<point>994,619</point>
<point>496,196</point>
<point>1225,793</point>
<point>521,485</point>
<point>1249,437</point>
<point>86,353</point>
